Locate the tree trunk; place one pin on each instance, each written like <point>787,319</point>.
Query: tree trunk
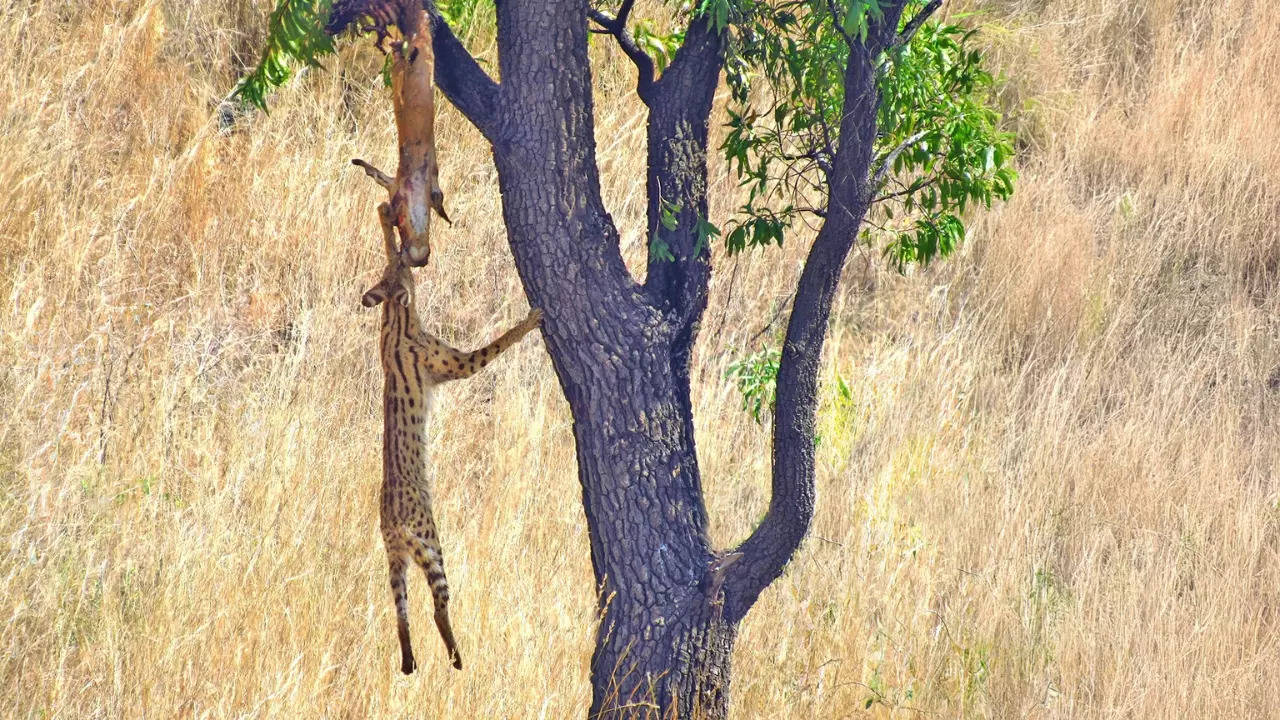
<point>669,604</point>
<point>611,349</point>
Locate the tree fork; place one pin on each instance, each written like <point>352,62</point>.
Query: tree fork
<point>669,604</point>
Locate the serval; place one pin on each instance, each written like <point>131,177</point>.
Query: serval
<point>413,363</point>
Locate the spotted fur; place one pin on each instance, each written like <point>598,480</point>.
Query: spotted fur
<point>413,363</point>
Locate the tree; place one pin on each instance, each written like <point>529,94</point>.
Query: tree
<point>877,127</point>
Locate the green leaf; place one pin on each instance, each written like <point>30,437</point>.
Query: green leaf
<point>756,377</point>
<point>718,11</point>
<point>295,33</point>
<point>659,250</point>
<point>659,46</point>
<point>668,213</point>
<point>705,231</point>
<point>842,390</point>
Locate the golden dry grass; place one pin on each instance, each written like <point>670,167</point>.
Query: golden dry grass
<point>1051,490</point>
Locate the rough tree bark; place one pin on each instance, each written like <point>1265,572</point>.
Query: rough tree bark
<point>669,602</point>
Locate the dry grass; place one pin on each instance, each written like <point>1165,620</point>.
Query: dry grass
<point>1051,490</point>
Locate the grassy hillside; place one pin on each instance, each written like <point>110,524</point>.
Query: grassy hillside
<point>1051,489</point>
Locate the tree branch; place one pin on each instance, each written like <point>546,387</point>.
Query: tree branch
<point>791,505</point>
<point>617,27</point>
<point>906,190</point>
<point>892,156</point>
<point>909,30</point>
<point>701,45</point>
<point>461,78</point>
<point>837,20</point>
<point>679,116</point>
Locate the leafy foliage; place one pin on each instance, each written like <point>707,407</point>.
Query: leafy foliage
<point>465,15</point>
<point>939,143</point>
<point>757,379</point>
<point>295,34</point>
<point>658,45</point>
<point>950,152</point>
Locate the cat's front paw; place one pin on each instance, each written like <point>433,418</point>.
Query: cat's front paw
<point>533,320</point>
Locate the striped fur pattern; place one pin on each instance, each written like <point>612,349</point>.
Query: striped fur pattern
<point>413,363</point>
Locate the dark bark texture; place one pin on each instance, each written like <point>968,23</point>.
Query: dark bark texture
<point>766,552</point>
<point>669,603</point>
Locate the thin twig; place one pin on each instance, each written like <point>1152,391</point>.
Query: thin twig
<point>838,22</point>
<point>776,314</point>
<point>733,278</point>
<point>888,160</point>
<point>907,190</point>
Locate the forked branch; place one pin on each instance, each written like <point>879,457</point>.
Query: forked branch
<point>617,27</point>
